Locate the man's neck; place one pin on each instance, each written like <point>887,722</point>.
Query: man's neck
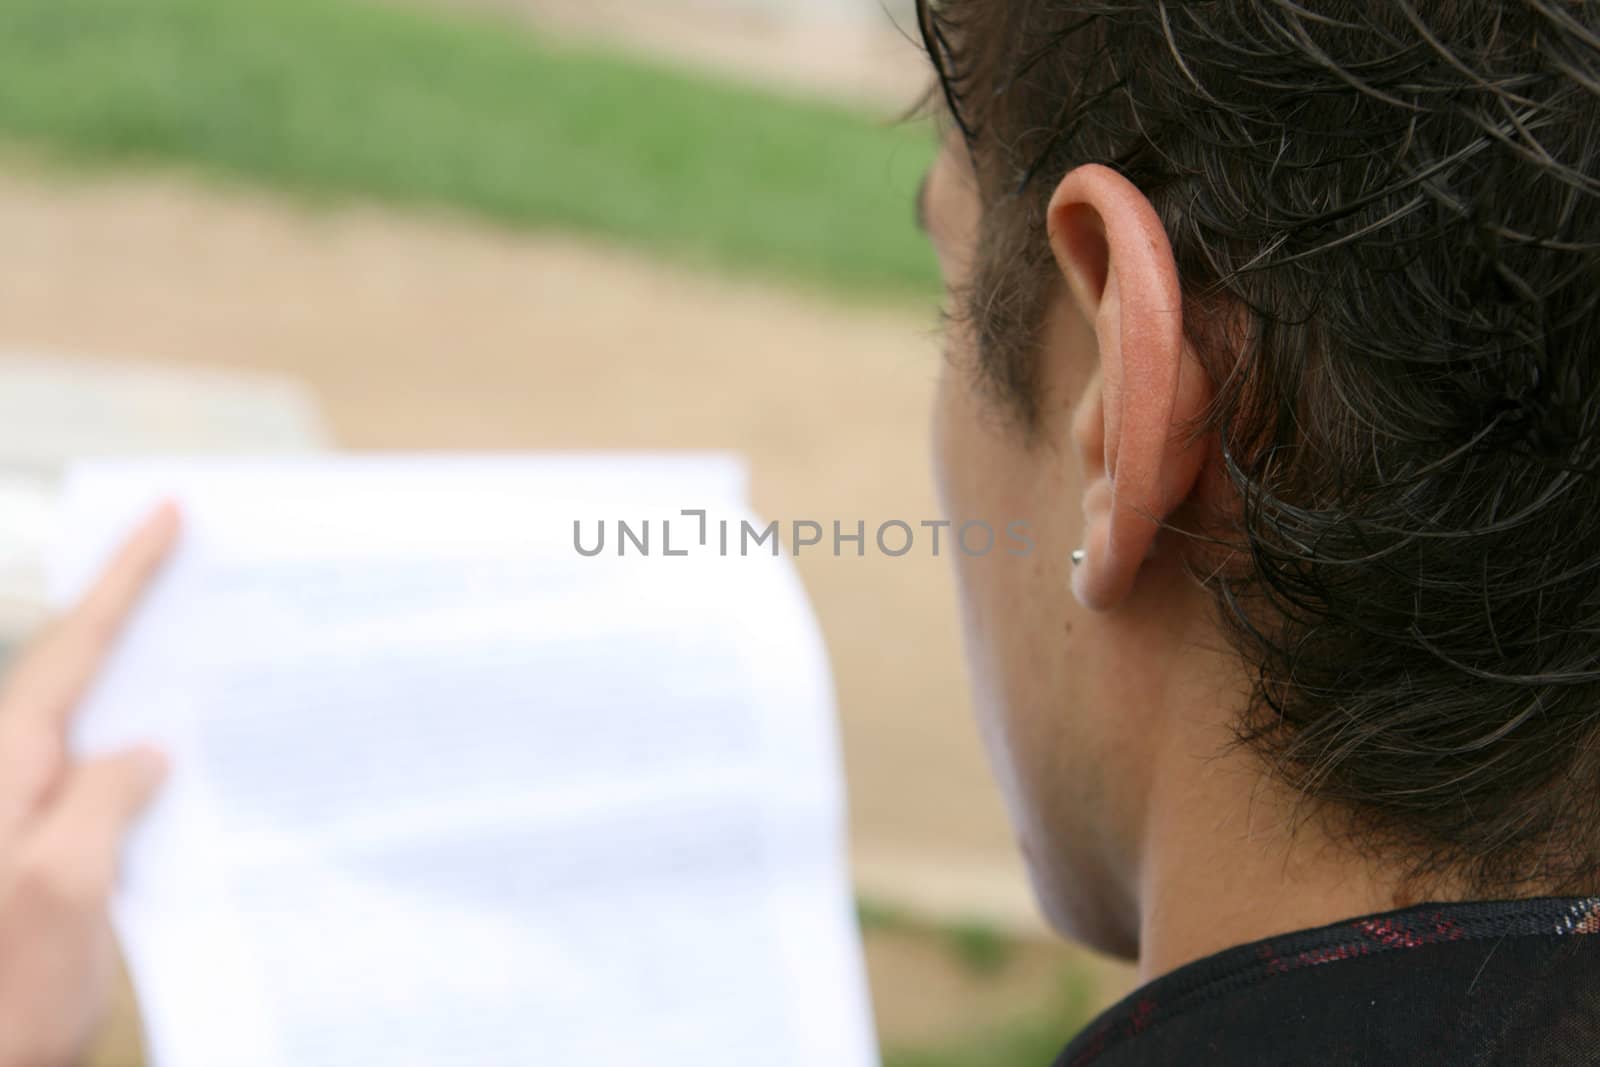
<point>1231,859</point>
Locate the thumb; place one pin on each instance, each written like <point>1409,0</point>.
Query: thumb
<point>79,836</point>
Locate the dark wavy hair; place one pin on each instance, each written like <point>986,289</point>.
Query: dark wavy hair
<point>1386,219</point>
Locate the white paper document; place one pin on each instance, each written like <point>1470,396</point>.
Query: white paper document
<point>448,791</point>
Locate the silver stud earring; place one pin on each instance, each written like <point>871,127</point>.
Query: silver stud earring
<point>1077,556</point>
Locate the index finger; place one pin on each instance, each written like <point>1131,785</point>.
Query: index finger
<point>55,671</point>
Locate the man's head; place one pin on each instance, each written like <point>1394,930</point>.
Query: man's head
<point>1289,314</point>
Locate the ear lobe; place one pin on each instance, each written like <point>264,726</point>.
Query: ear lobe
<point>1117,263</point>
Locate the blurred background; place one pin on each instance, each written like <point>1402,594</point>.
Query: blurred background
<point>281,225</point>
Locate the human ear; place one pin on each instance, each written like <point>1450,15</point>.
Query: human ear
<point>1132,430</point>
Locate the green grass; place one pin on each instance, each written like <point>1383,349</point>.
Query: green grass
<point>341,99</point>
<point>1031,1041</point>
<point>977,945</point>
<point>875,913</point>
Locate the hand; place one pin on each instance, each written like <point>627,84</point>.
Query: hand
<point>62,821</point>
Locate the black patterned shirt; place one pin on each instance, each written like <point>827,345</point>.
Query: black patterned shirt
<point>1463,985</point>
